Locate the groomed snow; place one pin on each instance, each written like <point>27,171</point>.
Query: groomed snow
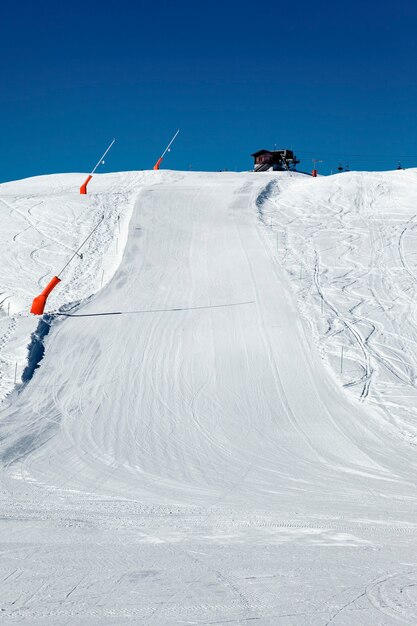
<point>194,447</point>
<point>44,220</point>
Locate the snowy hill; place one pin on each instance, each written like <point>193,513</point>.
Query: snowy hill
<point>350,250</point>
<point>196,447</point>
<point>44,220</point>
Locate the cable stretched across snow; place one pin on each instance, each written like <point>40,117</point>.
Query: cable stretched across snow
<point>190,308</point>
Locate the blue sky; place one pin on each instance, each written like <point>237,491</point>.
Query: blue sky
<point>335,81</point>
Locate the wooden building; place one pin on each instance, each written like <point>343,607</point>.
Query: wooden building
<point>277,160</point>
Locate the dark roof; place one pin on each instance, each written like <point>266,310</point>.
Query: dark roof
<point>261,152</point>
<point>255,154</point>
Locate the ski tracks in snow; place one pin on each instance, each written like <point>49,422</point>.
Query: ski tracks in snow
<point>199,463</point>
<point>361,227</point>
<point>46,221</point>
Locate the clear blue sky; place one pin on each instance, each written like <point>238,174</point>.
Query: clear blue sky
<point>330,79</point>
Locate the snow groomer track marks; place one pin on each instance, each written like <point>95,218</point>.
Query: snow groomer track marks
<point>195,446</point>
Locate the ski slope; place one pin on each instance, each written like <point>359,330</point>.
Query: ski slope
<point>44,220</point>
<point>193,449</point>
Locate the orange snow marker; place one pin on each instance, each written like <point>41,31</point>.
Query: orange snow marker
<point>167,149</point>
<point>39,302</point>
<point>314,172</point>
<point>83,188</point>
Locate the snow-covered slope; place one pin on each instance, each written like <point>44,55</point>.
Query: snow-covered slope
<point>43,221</point>
<point>350,249</point>
<point>189,450</point>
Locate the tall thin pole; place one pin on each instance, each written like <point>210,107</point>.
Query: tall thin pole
<point>100,160</point>
<point>315,161</point>
<point>170,144</point>
<point>85,241</point>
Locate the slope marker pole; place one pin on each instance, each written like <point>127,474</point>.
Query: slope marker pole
<point>83,188</point>
<point>84,242</point>
<point>159,161</point>
<point>38,304</point>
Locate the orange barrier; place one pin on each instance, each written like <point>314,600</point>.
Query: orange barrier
<point>39,302</point>
<point>157,164</point>
<point>83,188</point>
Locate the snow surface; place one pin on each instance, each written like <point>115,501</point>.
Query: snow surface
<point>44,220</point>
<point>195,448</point>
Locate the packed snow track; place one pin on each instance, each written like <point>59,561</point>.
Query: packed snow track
<point>185,454</point>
